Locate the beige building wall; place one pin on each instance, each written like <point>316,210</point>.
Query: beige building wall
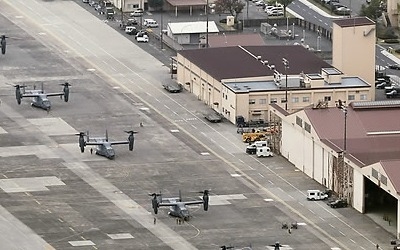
<point>354,52</point>
<point>255,106</point>
<point>128,5</point>
<point>393,12</point>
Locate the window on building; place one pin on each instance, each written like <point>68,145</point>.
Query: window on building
<point>306,99</point>
<point>226,97</point>
<point>283,100</point>
<point>262,101</point>
<point>327,98</point>
<point>133,6</point>
<point>307,127</point>
<point>375,173</point>
<point>384,180</point>
<point>363,97</point>
<point>295,99</point>
<point>351,97</point>
<point>299,121</point>
<point>223,95</point>
<point>274,100</point>
<point>252,101</point>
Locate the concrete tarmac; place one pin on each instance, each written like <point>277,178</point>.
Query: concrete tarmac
<point>90,202</point>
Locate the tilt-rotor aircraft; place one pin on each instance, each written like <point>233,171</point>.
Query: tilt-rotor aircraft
<point>177,206</point>
<point>39,96</point>
<point>103,145</point>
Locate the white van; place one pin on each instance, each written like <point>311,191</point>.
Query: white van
<point>150,23</point>
<point>315,195</point>
<point>252,149</point>
<point>264,152</point>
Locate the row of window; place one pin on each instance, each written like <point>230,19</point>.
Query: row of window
<point>307,126</point>
<point>363,97</point>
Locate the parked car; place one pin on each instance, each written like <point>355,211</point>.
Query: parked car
<point>275,12</point>
<point>260,3</point>
<point>337,203</point>
<point>150,23</point>
<point>85,1</point>
<point>93,3</point>
<point>142,39</point>
<point>130,30</point>
<point>137,13</point>
<point>382,84</point>
<point>394,66</point>
<point>330,1</point>
<point>343,11</point>
<point>392,93</point>
<point>213,117</point>
<point>172,87</point>
<point>334,6</point>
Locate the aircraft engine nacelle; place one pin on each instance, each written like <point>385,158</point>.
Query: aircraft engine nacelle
<point>205,200</point>
<point>155,201</point>
<point>3,44</point>
<point>131,140</point>
<point>66,91</point>
<point>82,142</point>
<point>18,94</point>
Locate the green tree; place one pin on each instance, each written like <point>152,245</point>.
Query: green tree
<point>372,10</point>
<point>285,3</point>
<point>156,4</point>
<point>234,7</point>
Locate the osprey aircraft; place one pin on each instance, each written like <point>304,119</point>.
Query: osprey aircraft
<point>103,145</point>
<point>176,205</point>
<point>39,97</point>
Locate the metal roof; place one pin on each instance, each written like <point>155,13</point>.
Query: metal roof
<point>242,61</point>
<point>371,134</point>
<point>193,27</point>
<point>226,40</point>
<point>376,104</point>
<point>354,21</point>
<point>187,2</point>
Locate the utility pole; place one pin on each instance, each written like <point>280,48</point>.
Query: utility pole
<point>162,32</point>
<point>207,24</point>
<point>286,64</point>
<point>343,170</point>
<point>122,11</point>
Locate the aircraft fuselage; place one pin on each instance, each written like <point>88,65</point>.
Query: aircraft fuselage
<point>41,102</point>
<point>105,150</point>
<point>179,211</point>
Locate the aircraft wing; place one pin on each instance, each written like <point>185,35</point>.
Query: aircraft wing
<point>55,94</point>
<point>31,95</point>
<point>93,143</point>
<point>163,204</point>
<point>193,202</point>
<point>118,142</point>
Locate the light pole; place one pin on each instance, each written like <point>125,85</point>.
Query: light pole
<point>162,32</point>
<point>344,174</point>
<point>286,64</point>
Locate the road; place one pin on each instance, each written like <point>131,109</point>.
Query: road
<point>116,87</point>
